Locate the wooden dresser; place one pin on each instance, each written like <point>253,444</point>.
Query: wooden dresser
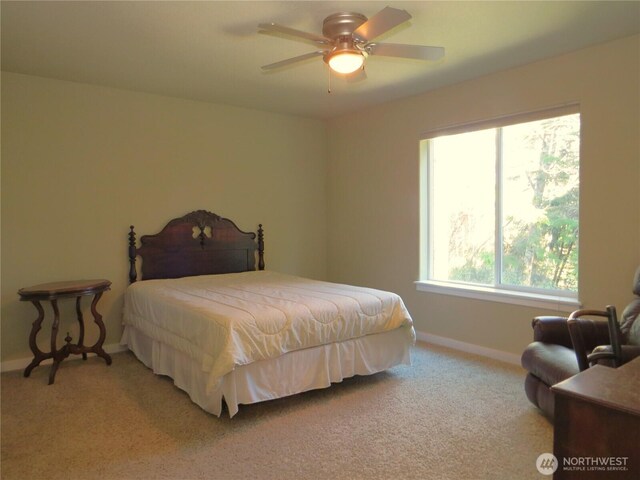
<point>597,424</point>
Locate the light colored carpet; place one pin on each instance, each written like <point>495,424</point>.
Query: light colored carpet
<point>449,416</point>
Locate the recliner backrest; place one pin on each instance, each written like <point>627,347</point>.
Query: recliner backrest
<point>629,323</point>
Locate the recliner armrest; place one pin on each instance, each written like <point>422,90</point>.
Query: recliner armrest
<point>629,352</point>
<point>594,332</point>
<point>551,329</point>
<point>602,354</point>
<point>587,333</point>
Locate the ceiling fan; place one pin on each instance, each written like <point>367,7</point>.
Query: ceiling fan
<point>346,40</point>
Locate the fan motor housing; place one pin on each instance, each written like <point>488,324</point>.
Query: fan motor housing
<point>342,24</point>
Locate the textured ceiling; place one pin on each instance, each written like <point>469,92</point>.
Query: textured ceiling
<point>211,51</point>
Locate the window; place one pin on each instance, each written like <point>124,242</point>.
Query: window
<point>500,208</point>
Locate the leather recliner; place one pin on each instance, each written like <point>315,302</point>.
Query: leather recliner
<point>551,357</point>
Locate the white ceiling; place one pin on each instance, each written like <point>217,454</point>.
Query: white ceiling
<point>211,51</point>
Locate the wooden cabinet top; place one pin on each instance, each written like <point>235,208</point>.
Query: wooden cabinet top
<point>614,388</point>
<point>71,288</point>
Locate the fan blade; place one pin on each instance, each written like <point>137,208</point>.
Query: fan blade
<point>420,52</point>
<point>274,27</point>
<point>384,20</point>
<point>288,61</point>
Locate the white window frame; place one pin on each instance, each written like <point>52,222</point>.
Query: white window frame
<point>563,301</point>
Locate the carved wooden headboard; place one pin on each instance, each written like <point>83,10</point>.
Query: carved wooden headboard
<point>199,243</point>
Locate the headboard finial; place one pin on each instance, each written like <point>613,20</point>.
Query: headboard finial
<point>132,255</point>
<point>260,247</point>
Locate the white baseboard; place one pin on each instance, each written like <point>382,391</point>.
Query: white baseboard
<point>507,357</point>
<point>22,363</point>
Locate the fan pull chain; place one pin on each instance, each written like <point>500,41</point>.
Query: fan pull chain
<point>329,90</point>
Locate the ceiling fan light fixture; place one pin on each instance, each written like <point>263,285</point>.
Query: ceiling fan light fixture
<point>345,61</point>
<point>347,41</point>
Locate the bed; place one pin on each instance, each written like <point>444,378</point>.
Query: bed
<point>202,309</point>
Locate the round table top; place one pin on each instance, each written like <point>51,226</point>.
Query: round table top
<point>72,288</point>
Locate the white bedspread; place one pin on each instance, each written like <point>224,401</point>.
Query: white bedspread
<point>235,319</point>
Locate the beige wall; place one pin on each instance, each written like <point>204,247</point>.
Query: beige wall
<point>373,191</point>
<point>81,163</point>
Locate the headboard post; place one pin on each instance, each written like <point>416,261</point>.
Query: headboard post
<point>260,247</point>
<point>132,256</point>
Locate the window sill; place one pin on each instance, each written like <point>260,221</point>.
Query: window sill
<point>549,302</point>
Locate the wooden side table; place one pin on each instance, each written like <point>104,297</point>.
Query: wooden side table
<point>597,424</point>
<point>52,292</point>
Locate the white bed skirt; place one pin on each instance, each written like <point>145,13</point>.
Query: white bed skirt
<point>292,373</point>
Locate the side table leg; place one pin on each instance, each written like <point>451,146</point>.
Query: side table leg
<point>38,355</point>
<point>81,328</point>
<point>57,358</point>
<point>97,348</point>
<point>54,370</point>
